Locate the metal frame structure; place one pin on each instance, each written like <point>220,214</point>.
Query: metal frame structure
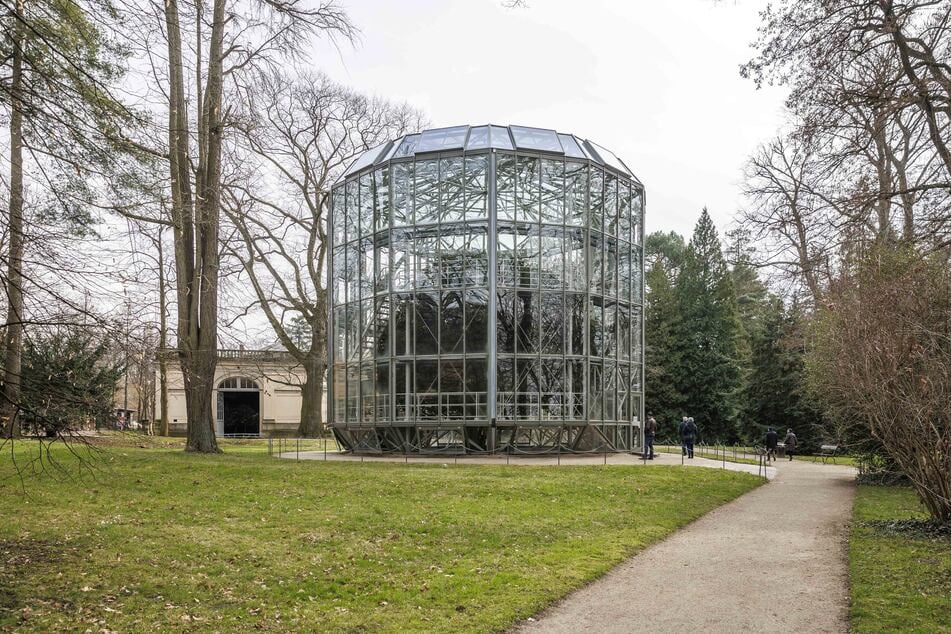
<point>486,295</point>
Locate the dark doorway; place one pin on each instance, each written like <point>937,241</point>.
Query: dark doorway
<point>242,412</point>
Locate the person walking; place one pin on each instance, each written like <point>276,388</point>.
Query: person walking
<point>791,442</point>
<point>771,440</point>
<point>688,435</point>
<point>650,430</point>
<point>680,432</point>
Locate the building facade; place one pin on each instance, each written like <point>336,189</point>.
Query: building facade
<point>257,393</point>
<point>487,295</point>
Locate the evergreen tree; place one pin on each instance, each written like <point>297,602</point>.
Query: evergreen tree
<point>707,336</point>
<point>69,380</point>
<point>664,257</point>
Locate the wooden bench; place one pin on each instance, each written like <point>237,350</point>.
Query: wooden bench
<point>828,451</point>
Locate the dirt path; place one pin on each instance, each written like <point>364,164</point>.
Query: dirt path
<point>774,560</point>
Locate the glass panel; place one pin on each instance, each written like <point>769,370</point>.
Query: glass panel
<point>595,328</point>
<point>381,186</point>
<point>366,159</point>
<point>637,324</point>
<point>381,277</point>
<point>366,267</point>
<point>476,389</point>
<point>610,267</point>
<point>624,211</point>
<point>403,194</point>
<point>637,287</point>
<point>340,333</point>
<point>403,272</point>
<point>595,391</point>
<point>526,388</point>
<point>552,257</point>
<point>528,189</point>
<point>451,189</point>
<point>526,321</point>
<point>610,330</point>
<point>575,313</point>
<point>637,216</point>
<point>476,257</point>
<point>477,320</point>
<point>576,275</point>
<point>407,147</point>
<point>339,214</point>
<point>478,138</point>
<point>505,259</point>
<point>427,192</point>
<point>397,143</point>
<point>535,139</point>
<point>505,187</point>
<point>353,272</point>
<point>505,389</point>
<point>623,332</point>
<point>426,262</point>
<point>367,399</point>
<point>340,392</point>
<point>353,393</point>
<point>552,324</point>
<point>452,324</point>
<point>368,329</point>
<point>403,388</point>
<point>610,391</point>
<point>366,204</point>
<point>596,199</point>
<point>427,323</point>
<point>570,146</point>
<point>595,271</point>
<point>353,210</point>
<point>382,391</point>
<point>574,383</point>
<point>427,390</point>
<point>552,191</point>
<point>340,275</point>
<point>451,389</point>
<point>381,319</point>
<point>505,322</point>
<point>552,389</point>
<point>499,138</point>
<point>624,412</point>
<point>442,139</point>
<point>624,272</point>
<point>576,194</point>
<point>608,157</point>
<point>610,205</point>
<point>403,307</point>
<point>452,252</point>
<point>475,187</point>
<point>527,258</point>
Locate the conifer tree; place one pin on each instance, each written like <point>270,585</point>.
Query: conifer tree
<point>664,257</point>
<point>707,336</point>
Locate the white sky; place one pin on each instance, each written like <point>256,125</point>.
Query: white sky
<point>656,81</point>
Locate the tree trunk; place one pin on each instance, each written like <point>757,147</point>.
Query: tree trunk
<point>163,340</point>
<point>312,396</point>
<point>13,341</point>
<point>198,400</point>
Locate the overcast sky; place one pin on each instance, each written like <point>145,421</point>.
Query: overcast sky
<point>655,81</point>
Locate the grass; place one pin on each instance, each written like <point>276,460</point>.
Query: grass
<point>161,540</point>
<point>901,578</point>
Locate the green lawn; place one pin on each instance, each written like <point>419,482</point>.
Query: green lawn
<point>160,540</point>
<point>901,579</point>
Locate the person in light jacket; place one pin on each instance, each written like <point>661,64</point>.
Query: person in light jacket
<point>790,443</point>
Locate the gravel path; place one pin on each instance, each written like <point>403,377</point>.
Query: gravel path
<point>774,560</point>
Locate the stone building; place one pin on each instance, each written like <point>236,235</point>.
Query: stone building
<point>257,394</point>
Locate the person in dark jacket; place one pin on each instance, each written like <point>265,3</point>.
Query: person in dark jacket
<point>771,440</point>
<point>688,435</point>
<point>790,442</point>
<point>650,431</point>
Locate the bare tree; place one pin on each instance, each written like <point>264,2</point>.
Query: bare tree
<point>241,38</point>
<point>299,135</point>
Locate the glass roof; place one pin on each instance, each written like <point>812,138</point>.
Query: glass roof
<point>536,139</point>
<point>443,139</point>
<point>367,158</point>
<point>455,138</point>
<point>478,138</point>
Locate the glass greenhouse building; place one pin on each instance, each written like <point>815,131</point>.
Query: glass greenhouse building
<point>487,295</point>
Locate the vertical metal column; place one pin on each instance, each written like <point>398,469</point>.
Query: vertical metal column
<point>493,305</point>
<point>643,316</point>
<point>330,392</point>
